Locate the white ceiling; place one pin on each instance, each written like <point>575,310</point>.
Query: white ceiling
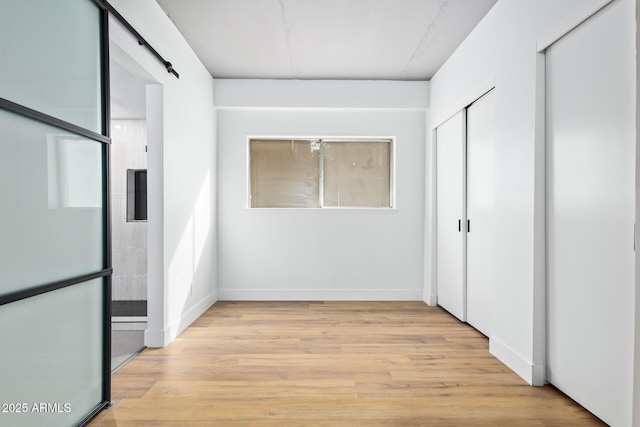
<point>325,39</point>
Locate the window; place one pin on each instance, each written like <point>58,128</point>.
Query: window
<point>320,173</point>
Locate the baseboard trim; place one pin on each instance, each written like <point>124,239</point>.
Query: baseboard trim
<point>319,295</point>
<point>162,338</point>
<point>431,300</point>
<point>533,374</point>
<point>156,338</point>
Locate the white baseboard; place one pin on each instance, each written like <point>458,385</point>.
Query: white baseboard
<point>191,316</point>
<point>431,299</point>
<point>162,338</point>
<point>319,295</point>
<point>534,374</point>
<point>156,338</point>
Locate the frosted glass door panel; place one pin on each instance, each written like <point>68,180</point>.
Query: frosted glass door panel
<point>52,63</point>
<point>357,174</point>
<point>591,195</point>
<point>52,354</point>
<point>450,205</point>
<point>51,212</point>
<point>285,174</point>
<point>481,205</point>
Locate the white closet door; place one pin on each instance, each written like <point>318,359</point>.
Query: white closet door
<point>450,214</point>
<point>480,212</point>
<point>590,173</point>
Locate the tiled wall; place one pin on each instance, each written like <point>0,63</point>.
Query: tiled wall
<point>129,242</point>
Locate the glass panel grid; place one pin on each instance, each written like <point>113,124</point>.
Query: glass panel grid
<point>52,214</point>
<point>52,356</point>
<point>52,60</point>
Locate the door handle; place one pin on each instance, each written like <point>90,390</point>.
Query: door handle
<point>459,225</point>
<point>468,226</point>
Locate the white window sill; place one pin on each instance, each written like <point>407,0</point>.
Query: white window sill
<point>332,209</point>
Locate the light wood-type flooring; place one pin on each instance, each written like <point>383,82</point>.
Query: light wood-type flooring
<point>330,364</point>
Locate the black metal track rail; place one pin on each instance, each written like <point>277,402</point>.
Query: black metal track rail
<point>141,40</point>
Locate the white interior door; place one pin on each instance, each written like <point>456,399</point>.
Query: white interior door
<point>480,211</point>
<point>590,202</point>
<point>450,214</point>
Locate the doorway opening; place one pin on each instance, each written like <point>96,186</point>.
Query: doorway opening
<point>129,164</point>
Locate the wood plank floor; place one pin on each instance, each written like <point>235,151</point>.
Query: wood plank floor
<point>330,364</point>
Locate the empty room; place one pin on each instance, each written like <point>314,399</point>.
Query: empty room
<point>319,213</point>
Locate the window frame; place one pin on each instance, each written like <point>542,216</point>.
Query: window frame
<point>332,138</point>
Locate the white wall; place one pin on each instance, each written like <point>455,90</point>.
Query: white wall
<point>321,94</point>
<point>312,254</point>
<point>182,220</point>
<point>503,51</point>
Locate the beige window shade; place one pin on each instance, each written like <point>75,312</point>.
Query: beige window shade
<point>357,173</point>
<point>284,174</point>
<point>307,173</point>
